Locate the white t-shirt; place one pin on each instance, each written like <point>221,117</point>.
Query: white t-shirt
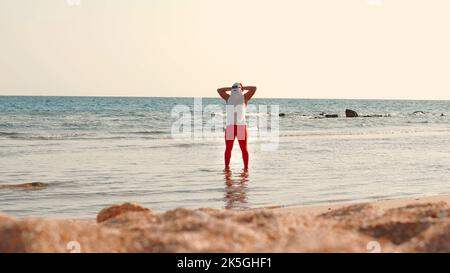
<point>236,108</point>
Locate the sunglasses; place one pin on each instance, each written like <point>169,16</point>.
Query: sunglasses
<point>236,86</point>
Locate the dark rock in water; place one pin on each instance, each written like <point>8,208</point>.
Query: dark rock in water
<point>36,184</point>
<point>281,114</point>
<point>350,113</point>
<point>324,115</point>
<point>442,115</point>
<point>25,186</point>
<point>331,115</point>
<point>418,112</point>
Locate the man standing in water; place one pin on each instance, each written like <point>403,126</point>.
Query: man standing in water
<point>236,124</point>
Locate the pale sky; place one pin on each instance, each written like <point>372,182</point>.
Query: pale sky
<point>288,48</point>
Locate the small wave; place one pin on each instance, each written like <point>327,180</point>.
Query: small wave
<point>143,132</point>
<point>187,145</point>
<point>86,136</point>
<point>168,136</point>
<point>81,124</point>
<point>6,134</point>
<point>208,170</point>
<point>155,132</point>
<point>253,114</point>
<point>418,122</point>
<point>26,136</point>
<point>6,125</point>
<point>363,133</point>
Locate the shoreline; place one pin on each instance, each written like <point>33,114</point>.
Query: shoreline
<point>385,203</point>
<point>419,224</point>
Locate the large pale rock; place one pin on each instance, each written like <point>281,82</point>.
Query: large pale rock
<point>51,235</point>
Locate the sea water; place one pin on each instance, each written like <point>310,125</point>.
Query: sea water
<point>92,152</point>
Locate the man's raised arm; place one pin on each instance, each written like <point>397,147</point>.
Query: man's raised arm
<point>223,92</point>
<point>251,91</point>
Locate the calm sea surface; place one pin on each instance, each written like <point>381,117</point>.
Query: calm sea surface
<point>95,151</point>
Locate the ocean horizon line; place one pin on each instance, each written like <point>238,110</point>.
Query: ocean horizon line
<point>214,97</point>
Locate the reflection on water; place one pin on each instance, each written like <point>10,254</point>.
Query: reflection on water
<point>236,190</point>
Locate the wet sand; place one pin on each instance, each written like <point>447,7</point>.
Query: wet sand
<point>406,225</point>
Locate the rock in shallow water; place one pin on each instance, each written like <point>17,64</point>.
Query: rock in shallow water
<point>331,115</point>
<point>115,210</point>
<point>25,186</point>
<point>350,113</point>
